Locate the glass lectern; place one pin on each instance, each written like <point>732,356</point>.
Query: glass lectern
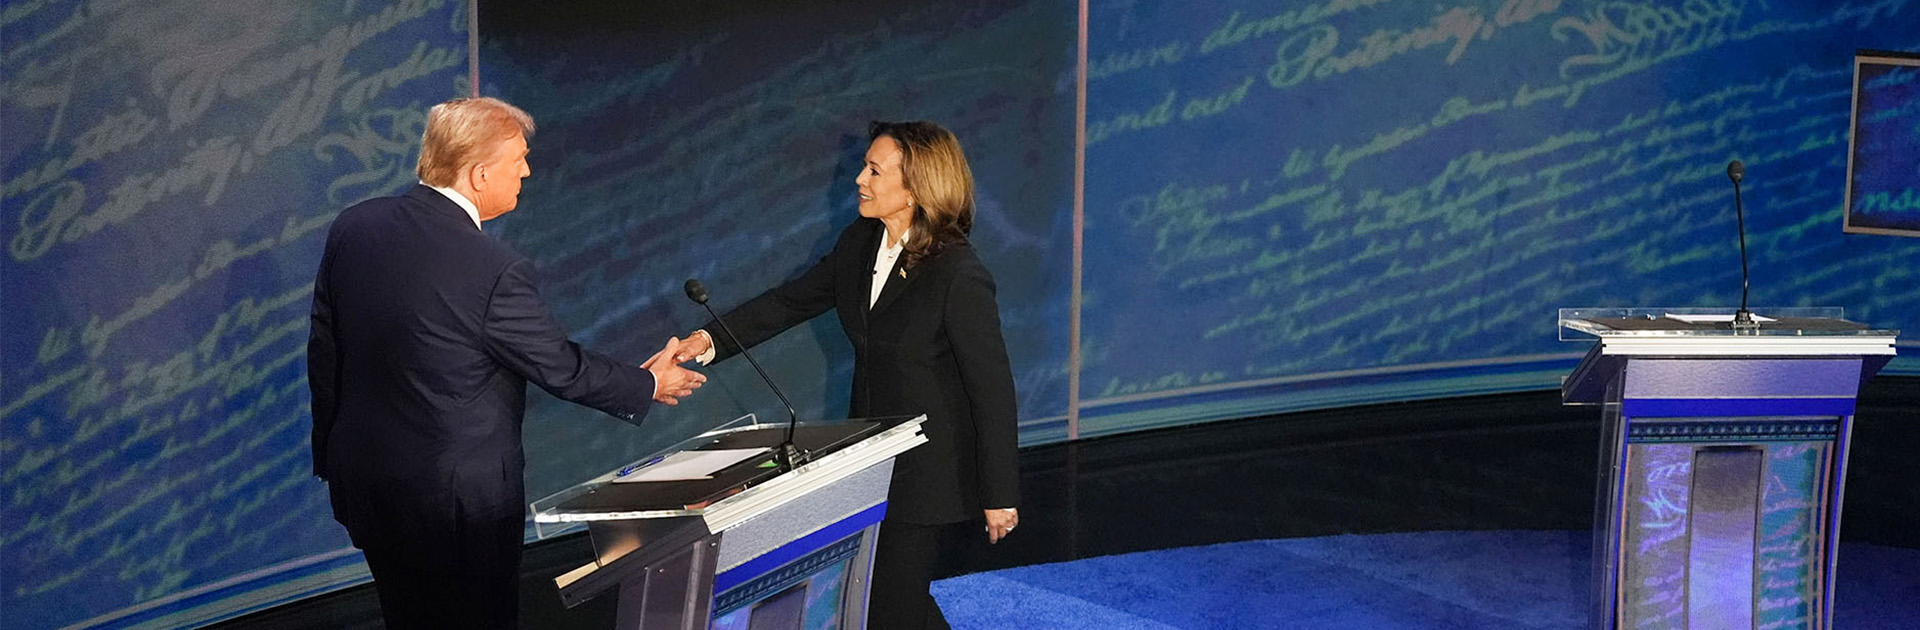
<point>713,533</point>
<point>1723,454</point>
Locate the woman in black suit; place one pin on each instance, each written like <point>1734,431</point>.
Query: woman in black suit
<point>919,308</point>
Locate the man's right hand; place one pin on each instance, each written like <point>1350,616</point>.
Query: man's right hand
<point>670,381</point>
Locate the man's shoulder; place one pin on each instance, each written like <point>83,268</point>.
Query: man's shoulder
<point>387,216</point>
<point>374,209</point>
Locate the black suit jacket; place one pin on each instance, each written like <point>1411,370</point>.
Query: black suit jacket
<point>931,344</point>
<point>425,333</point>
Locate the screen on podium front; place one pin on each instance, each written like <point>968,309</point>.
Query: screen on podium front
<point>808,593</point>
<point>1883,165</point>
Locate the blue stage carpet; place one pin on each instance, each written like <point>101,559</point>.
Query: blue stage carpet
<point>1484,579</point>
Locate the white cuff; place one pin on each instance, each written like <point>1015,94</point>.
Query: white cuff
<point>706,357</point>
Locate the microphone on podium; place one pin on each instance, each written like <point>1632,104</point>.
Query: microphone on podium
<point>1743,318</point>
<point>789,455</point>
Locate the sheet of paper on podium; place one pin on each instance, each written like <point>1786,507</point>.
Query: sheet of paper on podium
<point>1713,318</point>
<point>686,465</point>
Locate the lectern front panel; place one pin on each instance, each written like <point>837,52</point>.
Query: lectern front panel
<point>1723,521</point>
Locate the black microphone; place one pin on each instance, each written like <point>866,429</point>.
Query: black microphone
<point>789,455</point>
<point>1743,318</point>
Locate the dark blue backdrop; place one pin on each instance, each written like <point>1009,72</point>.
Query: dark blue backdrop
<point>722,144</point>
<point>170,170</point>
<point>1305,204</point>
<point>1288,205</point>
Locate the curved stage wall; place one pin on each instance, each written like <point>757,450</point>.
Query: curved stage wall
<point>1324,203</point>
<point>1287,206</point>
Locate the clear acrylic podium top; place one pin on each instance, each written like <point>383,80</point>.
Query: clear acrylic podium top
<point>724,462</point>
<point>1577,324</point>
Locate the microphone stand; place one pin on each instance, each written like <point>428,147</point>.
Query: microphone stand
<point>788,455</point>
<point>1743,318</point>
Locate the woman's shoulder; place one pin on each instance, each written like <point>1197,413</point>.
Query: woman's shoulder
<point>857,235</point>
<point>859,228</point>
<point>961,253</point>
<point>958,259</point>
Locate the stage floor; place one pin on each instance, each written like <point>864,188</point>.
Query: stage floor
<point>1445,488</point>
<point>1422,580</point>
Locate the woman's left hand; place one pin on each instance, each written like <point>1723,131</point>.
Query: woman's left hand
<point>1000,522</point>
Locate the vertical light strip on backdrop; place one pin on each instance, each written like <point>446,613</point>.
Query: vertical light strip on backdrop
<point>1079,221</point>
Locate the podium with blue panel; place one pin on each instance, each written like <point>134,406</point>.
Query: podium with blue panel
<point>1723,456</point>
<point>712,533</point>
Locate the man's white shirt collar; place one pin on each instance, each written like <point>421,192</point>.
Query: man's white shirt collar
<point>472,211</point>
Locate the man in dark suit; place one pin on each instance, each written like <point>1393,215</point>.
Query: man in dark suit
<point>425,334</point>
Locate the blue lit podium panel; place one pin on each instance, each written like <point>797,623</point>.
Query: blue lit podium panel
<point>1723,454</point>
<point>709,533</point>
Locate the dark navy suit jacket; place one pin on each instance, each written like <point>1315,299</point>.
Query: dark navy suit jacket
<point>425,334</point>
<point>931,344</point>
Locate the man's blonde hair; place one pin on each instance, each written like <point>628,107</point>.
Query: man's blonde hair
<point>460,132</point>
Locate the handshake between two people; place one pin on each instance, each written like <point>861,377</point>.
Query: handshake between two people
<point>671,381</point>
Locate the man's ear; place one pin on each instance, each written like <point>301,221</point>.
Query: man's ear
<point>477,176</point>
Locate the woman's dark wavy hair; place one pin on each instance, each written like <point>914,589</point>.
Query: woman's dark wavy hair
<point>935,172</point>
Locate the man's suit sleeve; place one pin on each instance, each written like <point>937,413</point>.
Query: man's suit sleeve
<point>522,335</point>
<point>323,366</point>
<point>973,327</point>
